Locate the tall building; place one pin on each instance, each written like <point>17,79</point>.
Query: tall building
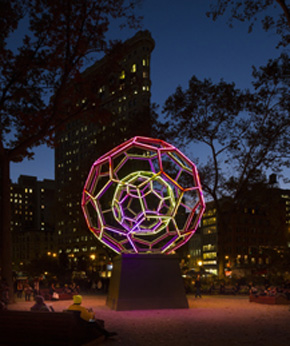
<point>33,219</point>
<point>248,234</point>
<point>122,82</point>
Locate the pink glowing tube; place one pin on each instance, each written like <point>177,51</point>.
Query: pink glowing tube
<point>144,196</point>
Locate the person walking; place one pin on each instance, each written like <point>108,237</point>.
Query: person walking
<point>198,287</point>
<point>19,288</point>
<point>27,291</point>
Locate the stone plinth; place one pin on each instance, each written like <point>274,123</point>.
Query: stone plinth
<point>142,282</point>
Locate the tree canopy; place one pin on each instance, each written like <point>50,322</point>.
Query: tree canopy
<point>274,15</point>
<point>245,132</point>
<point>38,77</point>
<point>44,45</point>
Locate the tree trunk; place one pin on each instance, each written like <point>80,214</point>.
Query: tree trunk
<point>5,226</point>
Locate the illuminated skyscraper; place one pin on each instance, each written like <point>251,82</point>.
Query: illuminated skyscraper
<point>122,83</point>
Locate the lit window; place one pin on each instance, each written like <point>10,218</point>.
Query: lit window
<point>209,255</point>
<point>209,262</point>
<point>122,75</point>
<point>134,68</point>
<point>209,221</point>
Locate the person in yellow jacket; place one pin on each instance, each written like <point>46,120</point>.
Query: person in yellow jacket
<point>88,315</point>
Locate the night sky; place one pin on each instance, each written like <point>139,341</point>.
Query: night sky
<point>187,43</point>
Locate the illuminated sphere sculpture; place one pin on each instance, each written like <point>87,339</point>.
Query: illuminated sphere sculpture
<point>144,196</point>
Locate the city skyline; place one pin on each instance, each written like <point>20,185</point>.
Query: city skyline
<point>187,43</point>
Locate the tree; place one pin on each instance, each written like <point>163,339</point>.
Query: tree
<point>249,10</point>
<point>41,85</point>
<point>245,132</point>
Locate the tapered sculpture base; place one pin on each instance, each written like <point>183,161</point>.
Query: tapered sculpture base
<point>143,282</point>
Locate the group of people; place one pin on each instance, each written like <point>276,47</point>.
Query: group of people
<point>86,315</point>
<point>271,291</point>
<point>67,288</point>
<point>29,289</point>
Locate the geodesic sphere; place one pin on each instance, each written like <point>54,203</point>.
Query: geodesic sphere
<point>143,196</point>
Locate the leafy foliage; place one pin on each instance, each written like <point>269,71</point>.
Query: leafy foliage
<point>41,85</point>
<point>38,80</point>
<point>245,132</point>
<point>252,10</point>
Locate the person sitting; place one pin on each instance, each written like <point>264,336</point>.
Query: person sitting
<point>39,305</point>
<point>66,289</point>
<point>88,316</point>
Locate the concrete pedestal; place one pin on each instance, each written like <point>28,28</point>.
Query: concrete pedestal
<point>143,282</point>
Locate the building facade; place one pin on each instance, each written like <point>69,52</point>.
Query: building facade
<point>246,237</point>
<point>33,219</point>
<point>122,84</point>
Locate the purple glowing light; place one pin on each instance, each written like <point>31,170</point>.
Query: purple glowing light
<point>144,196</point>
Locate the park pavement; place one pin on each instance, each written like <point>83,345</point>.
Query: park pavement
<point>210,320</point>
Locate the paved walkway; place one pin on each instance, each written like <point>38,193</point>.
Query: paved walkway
<point>211,320</point>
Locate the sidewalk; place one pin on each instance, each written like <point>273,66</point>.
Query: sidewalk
<point>211,320</point>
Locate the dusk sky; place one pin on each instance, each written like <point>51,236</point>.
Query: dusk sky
<point>187,43</point>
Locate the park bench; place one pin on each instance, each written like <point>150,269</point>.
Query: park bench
<point>44,328</point>
<point>280,300</point>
